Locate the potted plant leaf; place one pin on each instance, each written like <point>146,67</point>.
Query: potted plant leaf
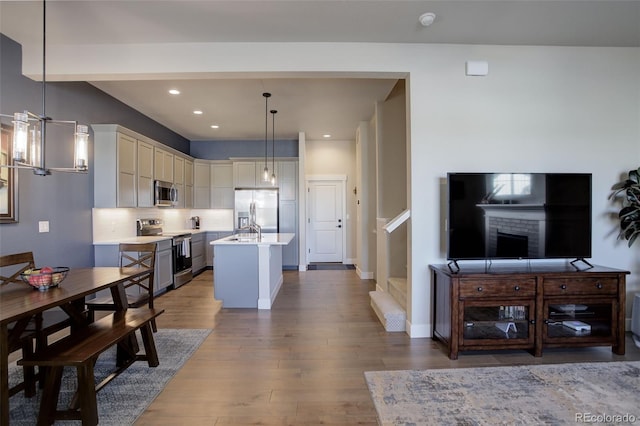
<point>630,213</point>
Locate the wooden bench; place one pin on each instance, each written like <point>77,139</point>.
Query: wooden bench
<point>81,350</point>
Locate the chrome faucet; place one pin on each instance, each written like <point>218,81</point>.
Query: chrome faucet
<point>252,213</point>
<point>255,228</point>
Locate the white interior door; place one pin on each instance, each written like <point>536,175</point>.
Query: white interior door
<point>326,224</point>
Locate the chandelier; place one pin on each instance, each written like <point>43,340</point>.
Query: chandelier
<point>30,131</point>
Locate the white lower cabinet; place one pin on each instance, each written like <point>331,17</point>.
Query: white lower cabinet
<point>163,276</point>
<point>108,255</point>
<point>198,252</point>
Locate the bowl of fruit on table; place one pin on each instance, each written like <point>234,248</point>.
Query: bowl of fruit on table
<point>44,278</point>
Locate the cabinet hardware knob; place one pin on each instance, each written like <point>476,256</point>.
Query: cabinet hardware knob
<point>563,286</point>
<point>517,288</point>
<point>532,321</point>
<point>479,288</point>
<point>599,285</point>
<point>546,321</point>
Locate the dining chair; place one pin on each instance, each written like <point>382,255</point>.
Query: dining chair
<point>39,328</point>
<point>139,290</point>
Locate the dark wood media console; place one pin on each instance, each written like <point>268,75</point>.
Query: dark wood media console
<point>531,307</point>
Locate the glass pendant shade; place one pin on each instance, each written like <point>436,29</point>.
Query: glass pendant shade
<point>81,152</point>
<point>273,147</point>
<point>20,137</point>
<point>35,140</point>
<point>265,174</point>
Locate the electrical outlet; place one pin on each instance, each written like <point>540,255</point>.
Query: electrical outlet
<point>43,226</point>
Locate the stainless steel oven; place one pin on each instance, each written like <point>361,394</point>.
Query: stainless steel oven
<point>180,245</point>
<point>182,272</point>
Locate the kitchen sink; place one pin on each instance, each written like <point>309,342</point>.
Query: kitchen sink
<point>244,237</point>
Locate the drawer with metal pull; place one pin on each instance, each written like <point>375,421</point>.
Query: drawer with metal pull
<point>497,288</point>
<point>580,286</point>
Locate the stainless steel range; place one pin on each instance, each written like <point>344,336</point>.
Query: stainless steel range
<point>181,246</point>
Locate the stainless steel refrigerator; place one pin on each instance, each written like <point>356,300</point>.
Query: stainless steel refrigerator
<point>265,202</point>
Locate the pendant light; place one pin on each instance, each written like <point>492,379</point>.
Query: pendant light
<point>30,131</point>
<point>265,174</point>
<point>273,147</point>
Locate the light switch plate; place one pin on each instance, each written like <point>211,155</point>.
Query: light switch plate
<point>43,226</point>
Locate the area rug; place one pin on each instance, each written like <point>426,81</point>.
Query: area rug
<point>603,393</point>
<point>124,399</point>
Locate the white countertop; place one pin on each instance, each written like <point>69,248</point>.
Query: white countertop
<point>150,239</point>
<point>270,239</point>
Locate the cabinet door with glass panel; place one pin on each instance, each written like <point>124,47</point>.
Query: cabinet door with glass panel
<point>504,323</point>
<point>497,312</point>
<point>582,311</point>
<point>579,320</point>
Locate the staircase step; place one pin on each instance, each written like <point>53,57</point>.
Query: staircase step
<point>398,290</point>
<point>389,312</point>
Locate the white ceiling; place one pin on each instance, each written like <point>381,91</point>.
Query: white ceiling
<point>313,105</point>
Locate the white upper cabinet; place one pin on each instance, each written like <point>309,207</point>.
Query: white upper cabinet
<point>244,174</point>
<point>287,178</point>
<point>222,189</point>
<point>188,183</point>
<point>127,164</point>
<point>202,185</point>
<point>126,178</point>
<point>250,174</point>
<point>145,174</point>
<point>114,168</point>
<point>163,165</point>
<point>178,170</point>
<point>178,180</point>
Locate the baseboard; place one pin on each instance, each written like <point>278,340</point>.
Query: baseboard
<point>416,331</point>
<point>364,275</point>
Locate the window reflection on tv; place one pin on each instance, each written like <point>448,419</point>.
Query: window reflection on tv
<point>519,215</point>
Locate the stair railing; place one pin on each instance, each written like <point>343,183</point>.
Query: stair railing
<point>385,228</point>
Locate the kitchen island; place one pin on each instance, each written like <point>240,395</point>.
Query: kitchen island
<point>247,271</point>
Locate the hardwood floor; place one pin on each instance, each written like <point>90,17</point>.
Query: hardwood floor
<point>302,362</point>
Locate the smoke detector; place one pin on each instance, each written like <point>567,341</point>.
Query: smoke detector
<point>427,19</point>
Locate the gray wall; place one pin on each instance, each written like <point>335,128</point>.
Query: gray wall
<point>223,150</point>
<point>65,200</point>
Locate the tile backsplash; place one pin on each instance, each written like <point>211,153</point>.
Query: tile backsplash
<point>114,224</point>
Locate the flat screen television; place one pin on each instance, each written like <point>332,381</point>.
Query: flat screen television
<point>518,216</point>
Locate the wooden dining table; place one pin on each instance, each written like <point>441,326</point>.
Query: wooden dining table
<point>20,303</point>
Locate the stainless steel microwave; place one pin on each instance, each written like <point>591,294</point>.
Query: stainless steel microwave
<point>165,194</point>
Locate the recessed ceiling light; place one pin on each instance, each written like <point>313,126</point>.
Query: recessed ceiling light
<point>427,19</point>
<point>326,136</point>
<point>174,91</point>
<point>197,112</point>
<point>215,126</point>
